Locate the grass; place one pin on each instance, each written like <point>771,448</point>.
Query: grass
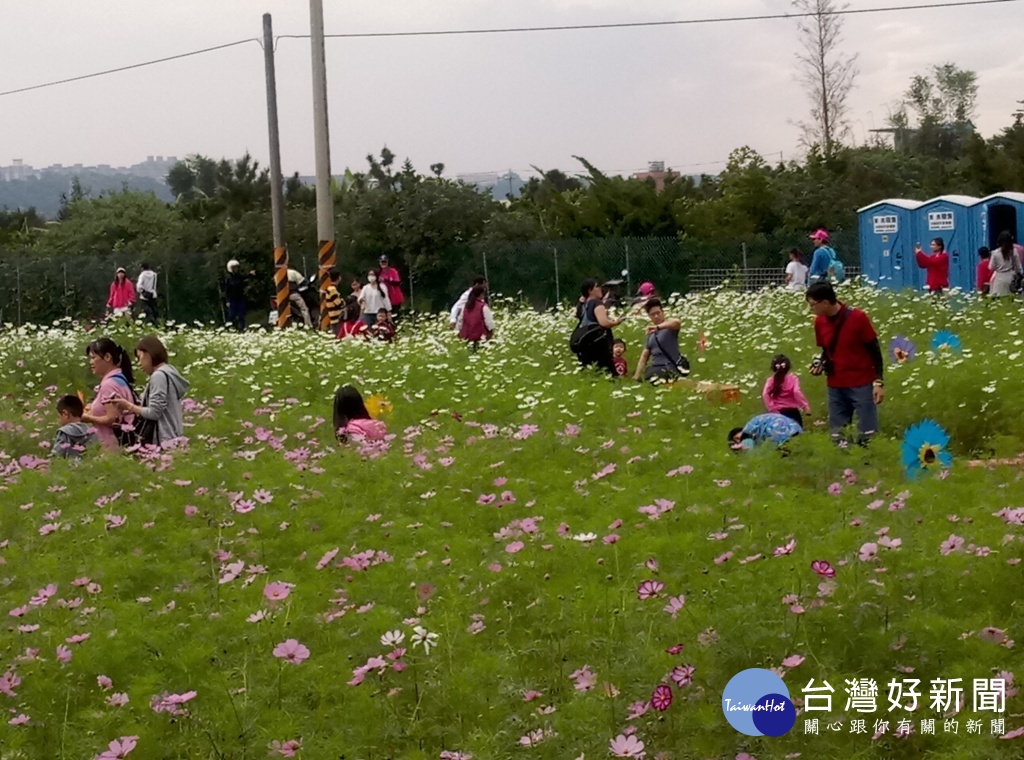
<point>489,522</point>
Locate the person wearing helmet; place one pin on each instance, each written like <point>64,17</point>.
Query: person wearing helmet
<point>822,259</point>
<point>234,289</point>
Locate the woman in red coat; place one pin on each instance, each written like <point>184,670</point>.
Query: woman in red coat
<point>122,294</point>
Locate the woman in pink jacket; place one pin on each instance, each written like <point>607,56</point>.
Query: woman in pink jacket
<point>782,391</point>
<point>122,294</point>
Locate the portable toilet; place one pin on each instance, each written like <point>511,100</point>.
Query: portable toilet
<point>950,217</point>
<point>887,242</point>
<point>998,213</point>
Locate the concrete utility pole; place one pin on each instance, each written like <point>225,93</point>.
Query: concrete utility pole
<point>276,180</point>
<point>321,136</point>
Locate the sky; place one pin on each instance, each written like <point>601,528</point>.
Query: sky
<point>686,95</point>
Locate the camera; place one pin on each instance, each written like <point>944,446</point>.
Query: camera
<point>821,366</point>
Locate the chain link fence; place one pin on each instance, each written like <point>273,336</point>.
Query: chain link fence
<point>42,289</point>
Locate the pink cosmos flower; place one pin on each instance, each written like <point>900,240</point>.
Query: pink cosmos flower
<point>514,547</point>
<point>327,558</point>
<point>9,681</point>
<point>63,654</point>
<point>675,649</point>
<point>626,746</point>
<point>793,661</point>
<point>722,558</point>
<point>675,605</point>
<point>788,548</point>
<point>18,720</point>
<point>286,748</point>
<point>1013,734</point>
<point>486,498</point>
<point>951,544</point>
<point>868,551</point>
<point>119,748</point>
<point>277,591</point>
<point>682,675</point>
<point>661,698</point>
<point>585,678</point>
<point>532,695</point>
<point>191,511</point>
<point>262,496</point>
<point>117,699</point>
<point>823,568</point>
<point>243,506</point>
<point>78,638</point>
<point>291,651</point>
<point>835,489</point>
<point>649,589</point>
<point>992,635</point>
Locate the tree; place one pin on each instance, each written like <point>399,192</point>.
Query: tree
<point>827,74</point>
<point>949,97</point>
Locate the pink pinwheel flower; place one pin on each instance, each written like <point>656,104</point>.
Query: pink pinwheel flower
<point>649,589</point>
<point>291,651</point>
<point>626,746</point>
<point>119,748</point>
<point>823,568</point>
<point>661,698</point>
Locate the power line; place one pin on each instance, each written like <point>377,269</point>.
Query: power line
<point>130,67</point>
<point>516,30</point>
<point>643,24</point>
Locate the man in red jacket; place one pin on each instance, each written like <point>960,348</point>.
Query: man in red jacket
<point>852,360</point>
<point>936,263</point>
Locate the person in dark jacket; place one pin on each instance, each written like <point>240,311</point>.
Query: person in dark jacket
<point>234,289</point>
<point>74,435</point>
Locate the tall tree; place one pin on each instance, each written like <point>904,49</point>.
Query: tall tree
<point>948,97</point>
<point>825,71</point>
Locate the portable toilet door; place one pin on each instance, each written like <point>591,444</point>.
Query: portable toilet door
<point>1001,212</point>
<point>949,217</point>
<point>886,242</point>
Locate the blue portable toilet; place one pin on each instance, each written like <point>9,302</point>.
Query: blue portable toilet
<point>998,213</point>
<point>952,218</point>
<point>887,230</point>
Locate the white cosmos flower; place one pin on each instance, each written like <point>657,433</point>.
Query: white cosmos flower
<point>584,537</point>
<point>392,638</point>
<point>421,636</point>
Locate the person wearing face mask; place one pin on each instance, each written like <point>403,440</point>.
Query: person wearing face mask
<point>372,298</point>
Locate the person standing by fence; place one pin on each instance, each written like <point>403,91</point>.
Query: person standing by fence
<point>823,257</point>
<point>796,272</point>
<point>146,287</point>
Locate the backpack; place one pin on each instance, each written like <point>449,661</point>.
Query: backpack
<point>836,270</point>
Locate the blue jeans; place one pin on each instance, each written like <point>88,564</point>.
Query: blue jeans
<point>844,402</point>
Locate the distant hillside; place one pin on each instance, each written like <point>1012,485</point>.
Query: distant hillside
<point>44,192</point>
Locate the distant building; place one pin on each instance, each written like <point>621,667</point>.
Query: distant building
<point>656,171</point>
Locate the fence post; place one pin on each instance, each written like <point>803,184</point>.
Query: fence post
<point>17,270</point>
<point>745,278</point>
<point>558,286</point>
<point>67,305</point>
<point>629,271</point>
<point>486,278</point>
<point>167,292</point>
<point>412,290</point>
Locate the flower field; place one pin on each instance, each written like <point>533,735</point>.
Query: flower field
<point>540,563</point>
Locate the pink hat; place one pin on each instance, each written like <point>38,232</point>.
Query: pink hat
<point>821,234</point>
<point>646,289</point>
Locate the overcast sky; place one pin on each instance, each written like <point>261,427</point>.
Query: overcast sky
<point>687,95</point>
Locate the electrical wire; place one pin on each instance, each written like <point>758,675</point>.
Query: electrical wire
<point>130,67</point>
<point>515,30</point>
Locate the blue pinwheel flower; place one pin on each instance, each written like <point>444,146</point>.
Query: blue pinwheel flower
<point>944,339</point>
<point>925,447</point>
<point>902,349</point>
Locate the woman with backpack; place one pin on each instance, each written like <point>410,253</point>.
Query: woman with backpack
<point>591,341</point>
<point>825,264</point>
<point>475,322</point>
<point>113,365</point>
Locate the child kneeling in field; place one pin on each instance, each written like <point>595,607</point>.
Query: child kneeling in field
<point>352,421</point>
<point>74,435</point>
<point>777,428</point>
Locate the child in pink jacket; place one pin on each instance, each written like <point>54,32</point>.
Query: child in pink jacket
<point>782,390</point>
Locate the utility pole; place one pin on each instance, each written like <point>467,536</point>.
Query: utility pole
<point>321,136</point>
<point>276,180</point>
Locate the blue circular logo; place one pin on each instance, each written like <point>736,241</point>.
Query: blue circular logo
<point>756,703</point>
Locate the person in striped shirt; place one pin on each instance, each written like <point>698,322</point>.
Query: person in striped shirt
<point>332,300</point>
